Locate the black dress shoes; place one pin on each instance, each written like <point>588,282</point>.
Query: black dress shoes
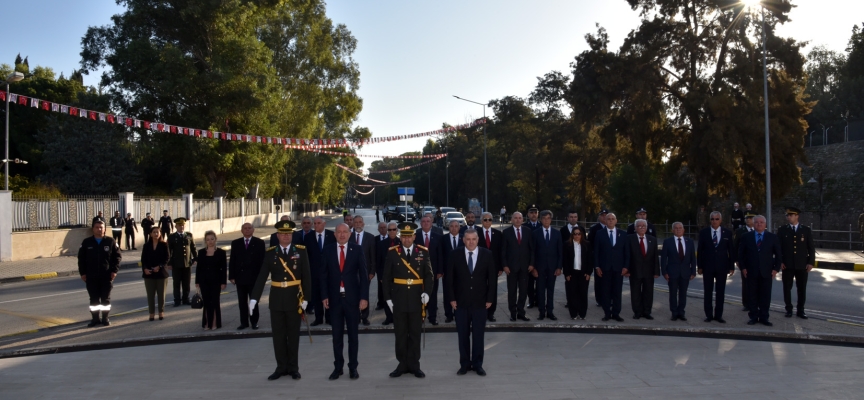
<point>529,306</point>
<point>745,308</point>
<point>523,318</point>
<point>751,322</point>
<point>378,308</point>
<point>462,371</point>
<point>274,376</point>
<point>316,323</point>
<point>802,315</point>
<point>294,375</point>
<point>512,319</point>
<point>648,317</point>
<point>491,319</point>
<point>418,373</point>
<point>767,323</point>
<point>352,373</point>
<point>176,304</point>
<point>618,318</point>
<point>480,371</point>
<point>708,319</point>
<point>674,318</point>
<point>720,320</point>
<point>552,316</point>
<point>540,318</point>
<point>788,314</point>
<point>255,327</point>
<point>682,318</point>
<point>448,320</point>
<point>387,321</point>
<point>242,327</point>
<point>396,373</point>
<point>335,375</point>
<point>433,322</point>
<point>605,319</point>
<point>636,316</point>
<point>365,321</point>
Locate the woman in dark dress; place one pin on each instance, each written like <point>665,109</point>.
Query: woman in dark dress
<point>154,256</point>
<point>577,268</point>
<point>210,280</point>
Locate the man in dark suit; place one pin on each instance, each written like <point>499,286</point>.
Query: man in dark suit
<point>610,259</point>
<point>678,265</point>
<point>300,235</point>
<point>490,238</point>
<point>391,240</point>
<point>470,222</point>
<point>715,259</point>
<point>799,255</point>
<point>743,230</point>
<point>451,241</point>
<point>737,217</point>
<point>572,222</point>
<point>517,257</point>
<point>642,214</point>
<point>473,283</point>
<point>368,244</point>
<point>345,292</point>
<point>760,258</point>
<point>547,264</point>
<point>315,243</point>
<point>598,226</point>
<point>427,237</point>
<point>247,255</point>
<point>533,224</point>
<point>642,269</point>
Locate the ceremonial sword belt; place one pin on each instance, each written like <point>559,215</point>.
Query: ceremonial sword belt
<point>285,284</point>
<point>407,282</point>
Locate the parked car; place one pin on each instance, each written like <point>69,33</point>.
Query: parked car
<point>400,213</point>
<point>445,210</point>
<point>426,209</point>
<point>453,216</point>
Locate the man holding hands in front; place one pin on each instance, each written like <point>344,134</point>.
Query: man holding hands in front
<point>678,265</point>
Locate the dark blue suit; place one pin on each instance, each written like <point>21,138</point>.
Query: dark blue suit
<point>610,260</point>
<point>344,305</point>
<point>759,261</point>
<point>547,260</point>
<point>471,290</point>
<point>446,249</point>
<point>434,248</point>
<point>313,250</point>
<point>715,262</point>
<point>679,271</point>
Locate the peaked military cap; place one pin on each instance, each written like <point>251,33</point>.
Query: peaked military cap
<point>285,226</point>
<point>180,221</point>
<point>407,228</point>
<point>792,210</point>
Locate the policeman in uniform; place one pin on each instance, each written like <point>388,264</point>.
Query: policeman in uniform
<point>642,213</point>
<point>165,224</point>
<point>748,227</point>
<point>799,255</point>
<point>98,263</point>
<point>117,225</point>
<point>183,254</point>
<point>407,279</point>
<point>290,277</point>
<point>147,225</point>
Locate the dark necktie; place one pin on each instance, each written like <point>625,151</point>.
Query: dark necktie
<point>320,242</point>
<point>471,261</point>
<point>715,238</point>
<point>680,250</point>
<point>408,253</point>
<point>611,238</point>
<point>247,243</point>
<point>358,237</point>
<point>427,240</point>
<point>341,263</point>
<point>642,245</point>
<point>547,237</point>
<point>759,241</point>
<point>519,235</point>
<point>454,242</point>
<point>488,240</point>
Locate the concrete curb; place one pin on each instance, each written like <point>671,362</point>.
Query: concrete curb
<point>839,266</point>
<point>49,275</point>
<point>734,334</point>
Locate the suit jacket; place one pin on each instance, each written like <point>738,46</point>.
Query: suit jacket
<point>465,228</point>
<point>407,298</point>
<point>435,248</point>
<point>354,275</point>
<point>718,259</point>
<point>568,258</point>
<point>472,291</point>
<point>514,255</point>
<point>759,261</point>
<point>566,232</point>
<point>446,249</point>
<point>245,264</point>
<point>532,225</point>
<point>285,299</point>
<point>182,249</point>
<point>296,237</point>
<point>675,266</point>
<point>797,246</point>
<point>311,243</point>
<point>737,239</point>
<point>369,246</point>
<point>607,257</point>
<point>494,246</point>
<point>381,253</point>
<point>639,266</point>
<point>547,256</point>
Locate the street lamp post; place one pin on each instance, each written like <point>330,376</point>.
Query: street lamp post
<point>13,77</point>
<point>485,173</point>
<point>767,141</point>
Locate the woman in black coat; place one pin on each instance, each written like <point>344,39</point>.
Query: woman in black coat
<point>577,272</point>
<point>210,280</point>
<point>154,256</point>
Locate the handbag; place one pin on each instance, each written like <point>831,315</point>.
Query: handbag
<point>196,301</point>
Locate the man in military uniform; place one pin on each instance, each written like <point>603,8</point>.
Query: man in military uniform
<point>147,225</point>
<point>642,213</point>
<point>799,255</point>
<point>98,263</point>
<point>183,255</point>
<point>287,265</point>
<point>407,288</point>
<point>165,224</point>
<point>748,227</point>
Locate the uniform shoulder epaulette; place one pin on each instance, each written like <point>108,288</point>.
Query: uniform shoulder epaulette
<point>422,247</point>
<point>394,247</point>
<point>271,248</point>
<point>300,246</point>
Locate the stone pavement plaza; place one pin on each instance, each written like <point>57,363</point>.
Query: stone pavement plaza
<point>521,365</point>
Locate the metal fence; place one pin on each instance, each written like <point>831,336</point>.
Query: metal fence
<point>34,213</point>
<point>205,210</point>
<point>143,205</point>
<point>231,208</point>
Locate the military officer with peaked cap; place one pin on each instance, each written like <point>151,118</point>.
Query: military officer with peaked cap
<point>799,255</point>
<point>642,213</point>
<point>407,280</point>
<point>287,265</point>
<point>183,258</point>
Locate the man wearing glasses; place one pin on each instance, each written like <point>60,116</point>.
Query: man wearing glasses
<point>715,260</point>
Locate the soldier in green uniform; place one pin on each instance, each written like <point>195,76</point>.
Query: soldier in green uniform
<point>748,227</point>
<point>183,258</point>
<point>407,280</point>
<point>799,255</point>
<point>287,265</point>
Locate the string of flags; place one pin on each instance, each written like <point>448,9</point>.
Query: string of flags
<point>344,154</point>
<point>383,184</point>
<point>351,171</point>
<point>180,130</point>
<point>363,194</point>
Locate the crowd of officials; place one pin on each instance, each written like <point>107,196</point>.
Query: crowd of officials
<point>327,274</point>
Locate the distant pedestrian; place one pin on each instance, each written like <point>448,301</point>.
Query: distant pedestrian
<point>166,224</point>
<point>147,225</point>
<point>117,224</point>
<point>98,263</point>
<point>98,217</point>
<point>131,228</point>
<point>737,217</point>
<point>503,212</point>
<point>154,260</point>
<point>377,215</point>
<point>247,257</point>
<point>210,280</point>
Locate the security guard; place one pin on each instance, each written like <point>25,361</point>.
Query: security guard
<point>98,263</point>
<point>407,287</point>
<point>642,213</point>
<point>117,224</point>
<point>147,225</point>
<point>287,265</point>
<point>736,238</point>
<point>183,258</point>
<point>165,225</point>
<point>799,255</point>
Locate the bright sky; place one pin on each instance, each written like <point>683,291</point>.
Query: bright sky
<point>414,56</point>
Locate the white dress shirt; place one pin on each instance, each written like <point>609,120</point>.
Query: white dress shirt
<point>577,256</point>
<point>683,244</point>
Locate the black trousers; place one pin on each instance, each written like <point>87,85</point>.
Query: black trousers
<point>407,326</point>
<point>532,290</point>
<point>364,314</point>
<point>212,311</point>
<point>470,326</point>
<point>448,309</point>
<point>244,292</point>
<point>117,235</point>
<point>800,277</point>
<point>99,289</point>
<point>181,278</point>
<point>759,289</point>
<point>745,291</point>
<point>596,290</point>
<point>387,313</point>
<point>577,295</point>
<point>546,291</point>
<point>147,235</point>
<point>164,233</point>
<point>642,294</point>
<point>714,282</point>
<point>317,305</point>
<point>432,306</point>
<point>286,339</point>
<point>130,240</point>
<point>611,285</point>
<point>341,316</point>
<point>678,294</point>
<point>517,285</point>
<point>490,312</point>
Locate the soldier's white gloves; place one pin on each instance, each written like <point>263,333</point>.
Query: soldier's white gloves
<point>252,304</point>
<point>303,304</point>
<point>390,304</point>
<point>424,298</point>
